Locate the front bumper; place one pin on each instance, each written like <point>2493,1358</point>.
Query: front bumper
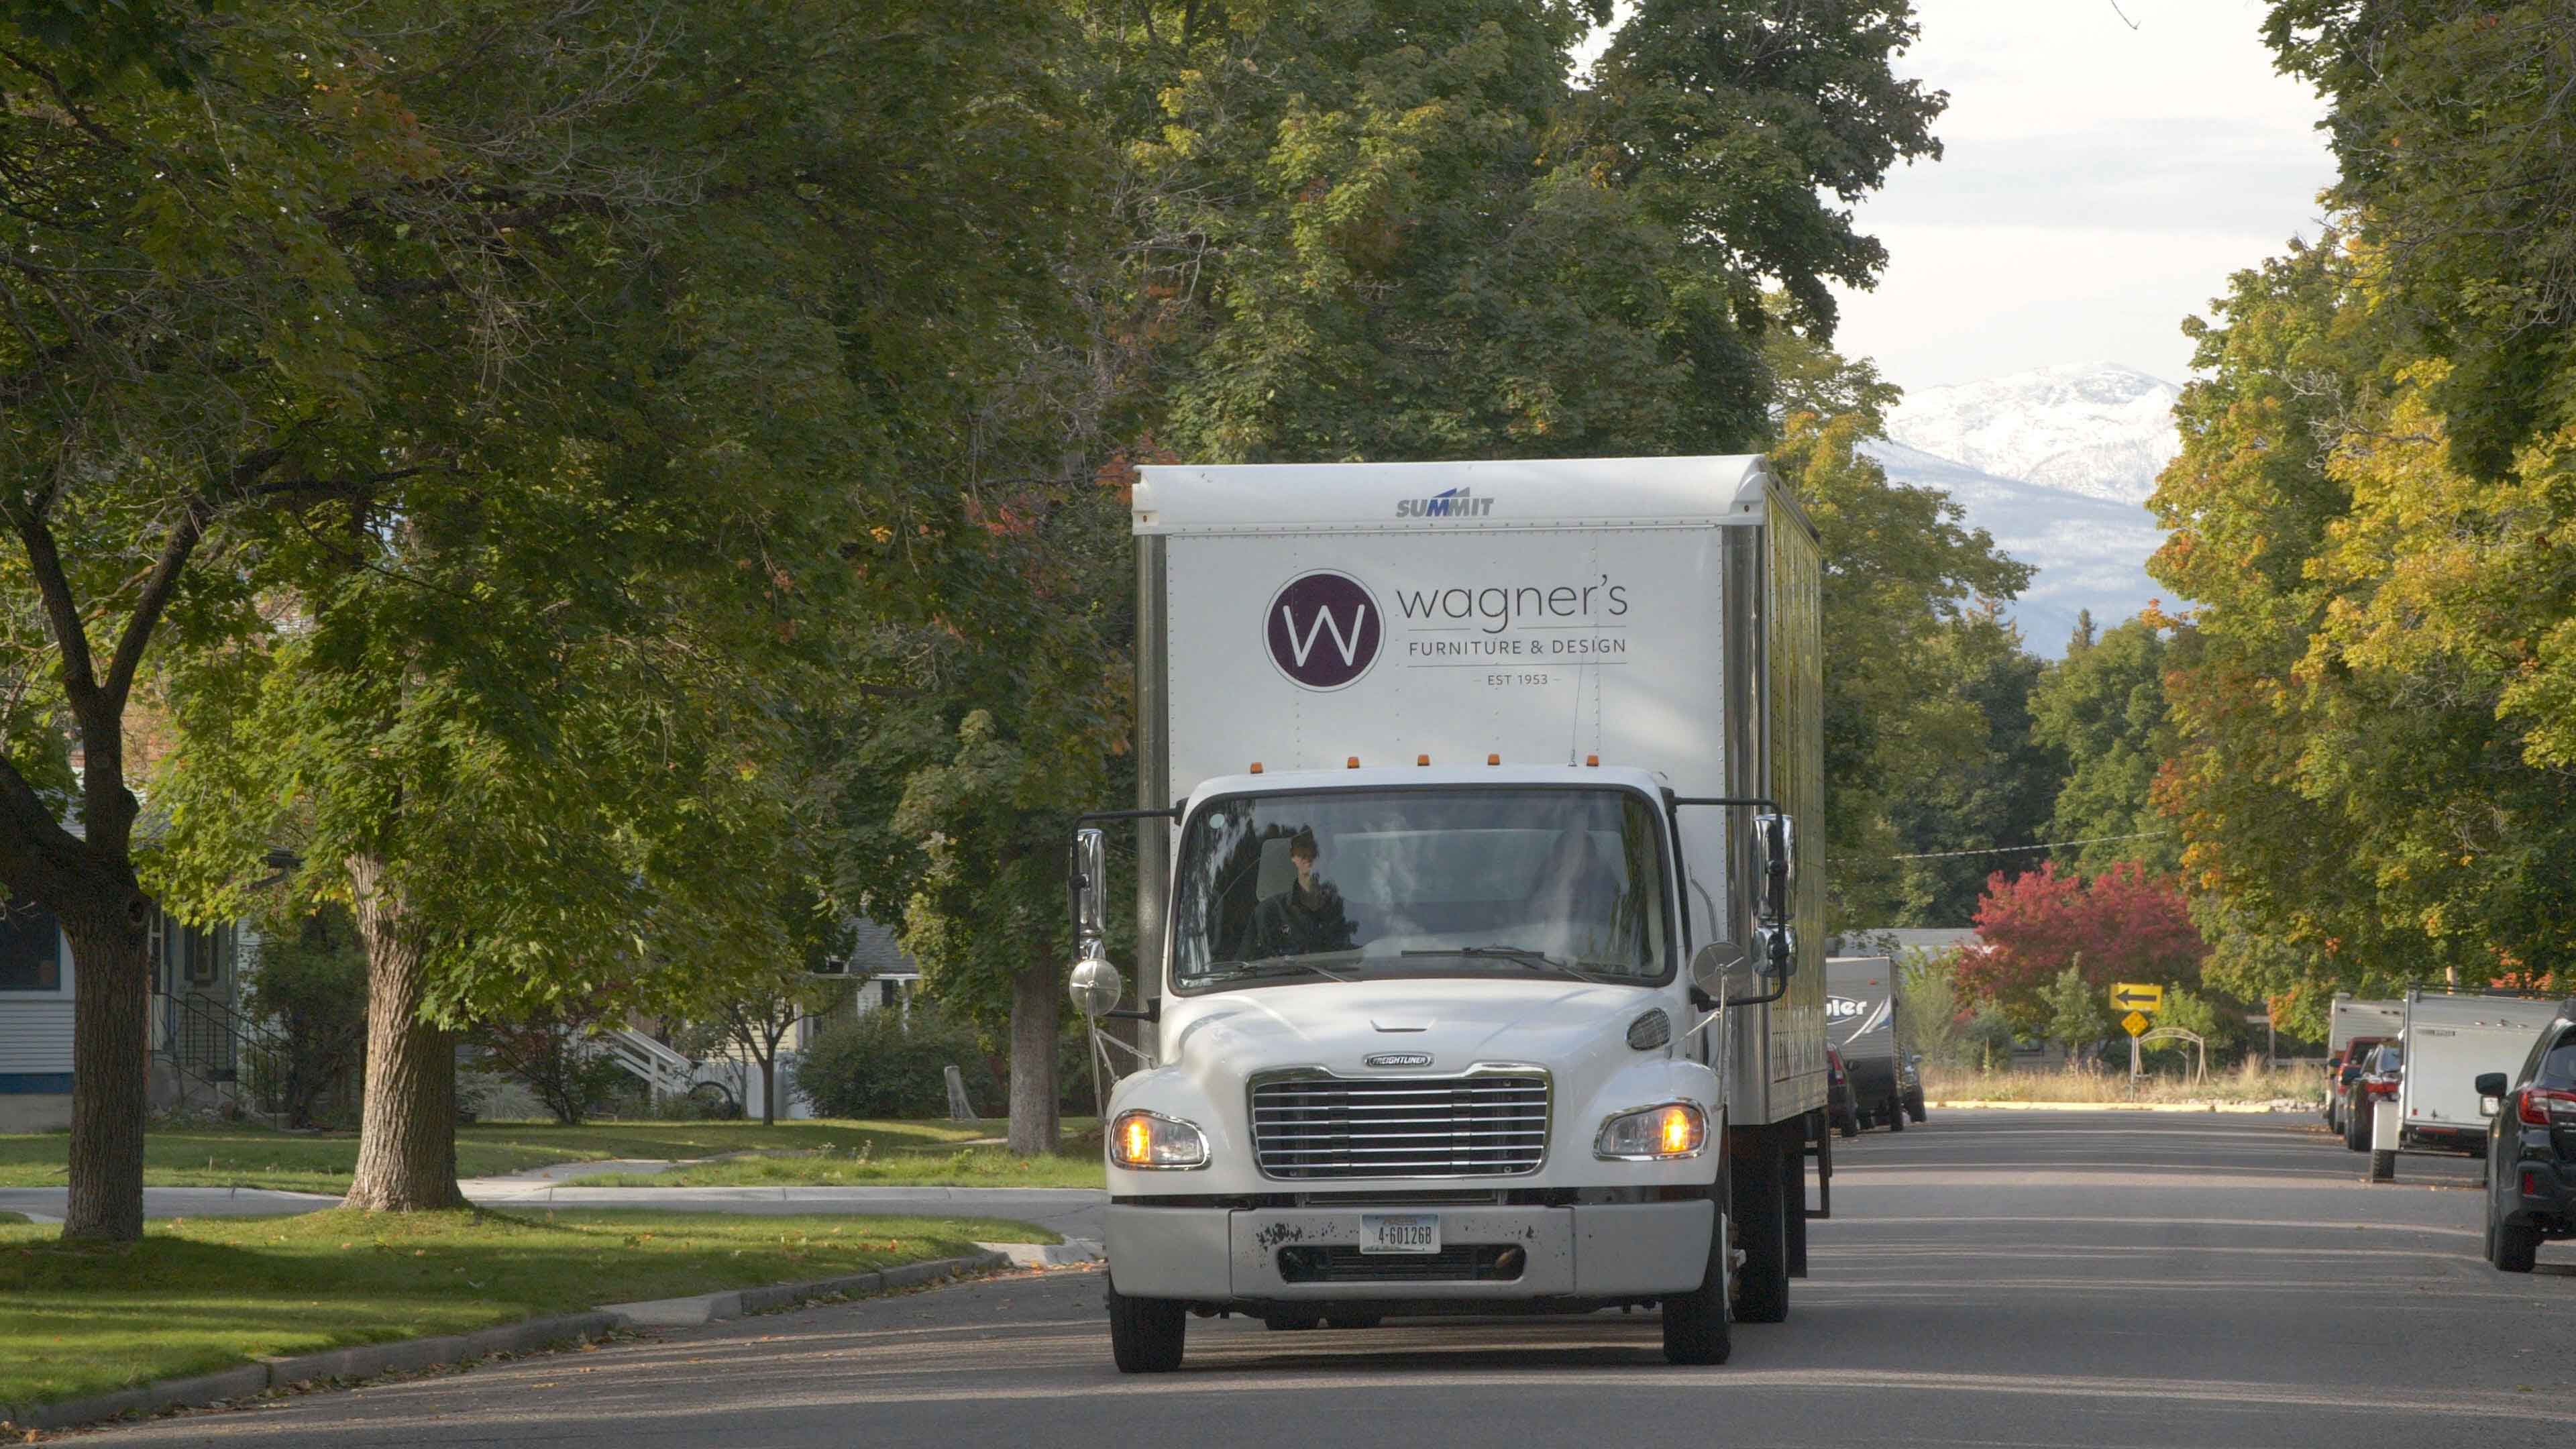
<point>1220,1255</point>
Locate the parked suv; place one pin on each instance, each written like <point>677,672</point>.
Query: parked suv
<point>1841,1107</point>
<point>2374,1081</point>
<point>2531,1148</point>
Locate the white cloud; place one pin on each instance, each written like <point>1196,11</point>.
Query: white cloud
<point>2100,184</point>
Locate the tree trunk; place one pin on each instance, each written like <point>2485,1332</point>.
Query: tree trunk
<point>111,1068</point>
<point>1037,1007</point>
<point>407,1126</point>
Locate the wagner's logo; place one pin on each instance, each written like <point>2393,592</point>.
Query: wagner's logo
<point>1456,503</point>
<point>1324,629</point>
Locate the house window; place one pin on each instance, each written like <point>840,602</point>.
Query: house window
<point>31,953</point>
<point>890,993</point>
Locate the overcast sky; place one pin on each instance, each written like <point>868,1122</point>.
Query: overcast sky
<point>2098,184</point>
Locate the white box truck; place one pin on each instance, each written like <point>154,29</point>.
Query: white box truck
<point>1478,975</point>
<point>2450,1041</point>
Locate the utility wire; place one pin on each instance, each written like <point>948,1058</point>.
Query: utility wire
<point>2011,849</point>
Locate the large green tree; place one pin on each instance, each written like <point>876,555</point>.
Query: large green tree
<point>244,243</point>
<point>2103,707</point>
<point>2375,474</point>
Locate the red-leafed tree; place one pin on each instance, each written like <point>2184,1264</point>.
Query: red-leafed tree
<point>2122,925</point>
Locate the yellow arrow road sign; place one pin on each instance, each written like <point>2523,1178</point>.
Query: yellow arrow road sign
<point>2130,996</point>
<point>2133,1023</point>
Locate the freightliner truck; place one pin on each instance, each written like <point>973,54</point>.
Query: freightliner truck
<point>1480,972</point>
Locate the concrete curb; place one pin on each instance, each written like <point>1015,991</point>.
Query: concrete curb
<point>366,1361</point>
<point>1069,1253</point>
<point>2249,1108</point>
<point>710,1307</point>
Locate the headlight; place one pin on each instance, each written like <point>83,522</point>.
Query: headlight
<point>1151,1140</point>
<point>1652,1134</point>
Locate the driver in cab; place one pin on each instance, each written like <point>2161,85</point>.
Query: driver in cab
<point>1303,918</point>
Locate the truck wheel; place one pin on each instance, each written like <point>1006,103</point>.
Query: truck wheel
<point>1895,1115</point>
<point>1290,1322</point>
<point>1914,1106</point>
<point>1365,1320</point>
<point>1695,1326</point>
<point>1849,1126</point>
<point>2356,1127</point>
<point>1761,1223</point>
<point>1147,1335</point>
<point>2512,1249</point>
<point>2383,1167</point>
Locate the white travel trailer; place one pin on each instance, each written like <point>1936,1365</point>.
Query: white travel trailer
<point>1477,973</point>
<point>2450,1041</point>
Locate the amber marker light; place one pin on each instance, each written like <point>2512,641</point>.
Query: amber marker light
<point>1681,1131</point>
<point>1422,759</point>
<point>1592,759</point>
<point>1352,764</point>
<point>1136,1142</point>
<point>1256,767</point>
<point>1493,759</point>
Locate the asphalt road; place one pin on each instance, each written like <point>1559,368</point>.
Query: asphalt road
<point>1989,1278</point>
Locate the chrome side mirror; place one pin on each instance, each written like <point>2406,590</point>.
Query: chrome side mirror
<point>1087,877</point>
<point>1775,865</point>
<point>1096,986</point>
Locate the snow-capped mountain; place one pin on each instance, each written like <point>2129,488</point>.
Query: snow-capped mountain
<point>2056,464</point>
<point>2099,429</point>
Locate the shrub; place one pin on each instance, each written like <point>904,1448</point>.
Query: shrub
<point>310,988</point>
<point>894,1064</point>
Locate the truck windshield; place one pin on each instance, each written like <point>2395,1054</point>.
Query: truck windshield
<point>1346,885</point>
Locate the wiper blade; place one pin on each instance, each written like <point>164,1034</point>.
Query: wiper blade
<point>1280,966</point>
<point>1518,956</point>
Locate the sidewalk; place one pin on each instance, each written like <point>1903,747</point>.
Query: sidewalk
<point>1073,1213</point>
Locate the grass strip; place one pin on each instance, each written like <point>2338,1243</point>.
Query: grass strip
<point>231,1155</point>
<point>2289,1084</point>
<point>967,1167</point>
<point>202,1294</point>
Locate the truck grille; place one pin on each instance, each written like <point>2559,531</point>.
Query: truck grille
<point>1491,1124</point>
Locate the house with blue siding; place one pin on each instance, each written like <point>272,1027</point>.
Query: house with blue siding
<point>195,1035</point>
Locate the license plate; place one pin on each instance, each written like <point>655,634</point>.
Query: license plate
<point>1399,1232</point>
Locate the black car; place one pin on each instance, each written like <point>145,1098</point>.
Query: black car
<point>2373,1081</point>
<point>2531,1148</point>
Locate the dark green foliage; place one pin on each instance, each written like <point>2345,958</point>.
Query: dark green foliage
<point>1998,791</point>
<point>892,1064</point>
<point>310,988</point>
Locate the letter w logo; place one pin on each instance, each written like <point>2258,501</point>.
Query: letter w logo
<point>1301,647</point>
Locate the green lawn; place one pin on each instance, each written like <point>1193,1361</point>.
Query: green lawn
<point>241,1156</point>
<point>208,1293</point>
<point>965,1167</point>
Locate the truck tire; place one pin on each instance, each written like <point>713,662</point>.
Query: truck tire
<point>1695,1328</point>
<point>1147,1335</point>
<point>2383,1167</point>
<point>1761,1208</point>
<point>1895,1115</point>
<point>1914,1104</point>
<point>1360,1320</point>
<point>2356,1125</point>
<point>1849,1126</point>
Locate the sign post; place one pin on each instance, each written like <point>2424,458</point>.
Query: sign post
<point>2139,1002</point>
